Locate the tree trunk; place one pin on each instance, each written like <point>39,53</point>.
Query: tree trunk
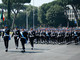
<point>15,15</point>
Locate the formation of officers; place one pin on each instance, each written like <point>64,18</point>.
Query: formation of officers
<point>58,36</point>
<point>21,35</point>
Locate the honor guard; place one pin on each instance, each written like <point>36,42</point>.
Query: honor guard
<point>16,35</point>
<point>62,36</point>
<point>32,37</point>
<point>0,35</point>
<point>76,37</point>
<point>23,38</point>
<point>37,36</point>
<point>53,37</point>
<point>59,37</point>
<point>47,37</point>
<point>6,37</point>
<point>78,33</point>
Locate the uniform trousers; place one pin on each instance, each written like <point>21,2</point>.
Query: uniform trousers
<point>32,41</point>
<point>16,40</point>
<point>6,41</point>
<point>23,41</point>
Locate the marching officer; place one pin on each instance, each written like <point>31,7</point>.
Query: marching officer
<point>6,37</point>
<point>47,37</point>
<point>59,37</point>
<point>16,35</point>
<point>53,37</point>
<point>24,38</point>
<point>32,37</point>
<point>76,37</point>
<point>37,37</point>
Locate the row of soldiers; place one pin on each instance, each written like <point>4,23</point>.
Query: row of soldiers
<point>58,36</point>
<point>21,35</point>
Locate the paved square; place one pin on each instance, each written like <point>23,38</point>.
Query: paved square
<point>41,52</point>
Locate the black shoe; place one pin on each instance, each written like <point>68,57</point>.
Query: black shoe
<point>67,43</point>
<point>23,51</point>
<point>6,50</point>
<point>31,48</point>
<point>76,43</point>
<point>16,48</point>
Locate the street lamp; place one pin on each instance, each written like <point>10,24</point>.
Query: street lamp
<point>33,14</point>
<point>27,20</point>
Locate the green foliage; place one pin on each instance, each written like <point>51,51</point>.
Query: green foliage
<point>21,18</point>
<point>70,2</point>
<point>42,13</point>
<point>52,14</point>
<point>16,1</point>
<point>3,6</point>
<point>75,5</point>
<point>55,16</point>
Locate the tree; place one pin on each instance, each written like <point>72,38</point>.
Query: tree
<point>42,13</point>
<point>16,1</point>
<point>9,4</point>
<point>30,15</point>
<point>52,14</point>
<point>55,16</point>
<point>75,5</point>
<point>21,17</point>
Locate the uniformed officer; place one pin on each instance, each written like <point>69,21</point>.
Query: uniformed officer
<point>23,38</point>
<point>78,33</point>
<point>37,36</point>
<point>44,36</point>
<point>76,37</point>
<point>32,37</point>
<point>53,37</point>
<point>16,35</point>
<point>6,37</point>
<point>0,35</point>
<point>59,37</point>
<point>47,37</point>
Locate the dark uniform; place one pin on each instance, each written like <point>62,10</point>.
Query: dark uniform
<point>24,38</point>
<point>16,35</point>
<point>0,35</point>
<point>53,37</point>
<point>31,38</point>
<point>42,37</point>
<point>67,38</point>
<point>76,38</point>
<point>6,37</point>
<point>59,37</point>
<point>78,33</point>
<point>47,37</point>
<point>37,36</point>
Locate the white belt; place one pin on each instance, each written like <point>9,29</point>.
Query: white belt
<point>22,37</point>
<point>15,35</point>
<point>31,36</point>
<point>6,35</point>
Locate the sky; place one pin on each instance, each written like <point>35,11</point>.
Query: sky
<point>37,2</point>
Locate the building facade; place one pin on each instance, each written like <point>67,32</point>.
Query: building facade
<point>70,14</point>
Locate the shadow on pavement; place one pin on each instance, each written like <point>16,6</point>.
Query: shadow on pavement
<point>35,49</point>
<point>26,52</point>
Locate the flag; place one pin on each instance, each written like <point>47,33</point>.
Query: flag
<point>2,16</point>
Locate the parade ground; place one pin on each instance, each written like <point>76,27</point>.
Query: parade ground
<point>40,52</point>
